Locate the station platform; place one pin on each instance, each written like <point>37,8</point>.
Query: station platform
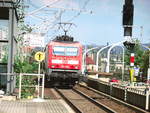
<point>105,79</point>
<point>29,106</point>
<point>138,86</point>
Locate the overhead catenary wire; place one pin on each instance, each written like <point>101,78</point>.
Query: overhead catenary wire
<point>35,6</point>
<point>82,10</point>
<point>49,23</point>
<point>41,8</point>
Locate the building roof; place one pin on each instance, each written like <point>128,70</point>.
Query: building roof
<point>89,60</point>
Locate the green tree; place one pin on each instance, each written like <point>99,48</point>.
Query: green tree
<point>26,67</point>
<point>141,58</point>
<point>22,64</point>
<point>138,54</point>
<point>145,63</point>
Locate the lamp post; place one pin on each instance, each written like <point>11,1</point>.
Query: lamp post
<point>123,52</point>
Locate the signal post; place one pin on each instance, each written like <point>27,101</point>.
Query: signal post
<point>128,11</point>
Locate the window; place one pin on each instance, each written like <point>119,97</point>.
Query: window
<point>4,29</point>
<point>71,51</point>
<point>65,51</point>
<point>59,50</point>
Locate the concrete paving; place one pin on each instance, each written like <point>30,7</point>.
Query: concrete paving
<point>26,106</point>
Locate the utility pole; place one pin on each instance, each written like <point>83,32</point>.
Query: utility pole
<point>141,33</point>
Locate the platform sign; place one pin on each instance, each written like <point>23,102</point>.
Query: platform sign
<point>39,56</point>
<point>136,71</point>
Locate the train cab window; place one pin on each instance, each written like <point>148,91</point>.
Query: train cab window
<point>65,51</point>
<point>71,51</point>
<point>59,50</point>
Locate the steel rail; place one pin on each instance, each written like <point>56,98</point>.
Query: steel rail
<point>137,109</point>
<point>77,110</point>
<point>100,105</point>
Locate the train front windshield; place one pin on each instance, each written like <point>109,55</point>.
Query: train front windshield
<point>65,51</point>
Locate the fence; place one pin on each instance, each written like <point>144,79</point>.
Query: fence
<point>38,76</point>
<point>140,98</point>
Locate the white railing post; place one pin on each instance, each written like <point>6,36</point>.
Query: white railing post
<point>39,79</point>
<point>43,82</point>
<point>147,99</point>
<point>32,74</point>
<point>20,81</point>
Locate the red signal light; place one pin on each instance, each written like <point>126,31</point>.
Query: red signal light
<point>132,59</point>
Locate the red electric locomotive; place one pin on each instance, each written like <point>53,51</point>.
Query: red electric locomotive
<point>63,61</point>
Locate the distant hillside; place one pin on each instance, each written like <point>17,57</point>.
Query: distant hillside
<point>147,44</point>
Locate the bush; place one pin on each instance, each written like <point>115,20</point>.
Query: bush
<point>26,67</point>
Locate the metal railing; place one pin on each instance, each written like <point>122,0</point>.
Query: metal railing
<point>36,75</point>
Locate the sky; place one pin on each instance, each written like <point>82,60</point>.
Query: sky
<point>102,26</point>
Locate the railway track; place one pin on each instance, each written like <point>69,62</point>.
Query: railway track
<point>82,103</point>
<point>115,104</point>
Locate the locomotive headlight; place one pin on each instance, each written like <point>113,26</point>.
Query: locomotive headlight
<point>66,66</point>
<point>53,66</point>
<point>73,62</point>
<point>76,67</point>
